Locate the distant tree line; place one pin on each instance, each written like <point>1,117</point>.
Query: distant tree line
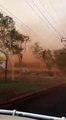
<point>52,58</point>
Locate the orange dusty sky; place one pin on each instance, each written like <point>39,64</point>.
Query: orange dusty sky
<point>46,26</point>
<point>44,21</point>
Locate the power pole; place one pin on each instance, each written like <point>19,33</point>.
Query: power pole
<point>63,39</point>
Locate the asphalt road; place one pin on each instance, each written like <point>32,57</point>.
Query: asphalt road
<point>52,102</point>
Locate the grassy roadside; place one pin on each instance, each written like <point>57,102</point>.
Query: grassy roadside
<point>27,85</point>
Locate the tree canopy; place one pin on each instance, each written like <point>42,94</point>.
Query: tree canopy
<point>10,39</point>
<point>44,54</point>
<point>37,50</point>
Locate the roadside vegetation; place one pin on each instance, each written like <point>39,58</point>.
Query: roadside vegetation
<point>27,85</point>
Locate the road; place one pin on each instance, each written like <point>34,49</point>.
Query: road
<point>52,102</point>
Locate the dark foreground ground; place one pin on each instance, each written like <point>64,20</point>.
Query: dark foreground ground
<point>50,102</point>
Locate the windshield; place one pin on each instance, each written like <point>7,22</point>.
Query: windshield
<point>33,56</point>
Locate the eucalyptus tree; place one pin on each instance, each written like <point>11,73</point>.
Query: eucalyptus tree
<point>44,54</point>
<point>11,41</point>
<point>17,45</point>
<point>37,50</point>
<point>48,58</point>
<point>60,59</point>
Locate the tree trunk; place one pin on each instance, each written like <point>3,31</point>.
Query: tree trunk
<point>20,65</point>
<point>12,68</point>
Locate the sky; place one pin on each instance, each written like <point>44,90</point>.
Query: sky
<point>44,21</point>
